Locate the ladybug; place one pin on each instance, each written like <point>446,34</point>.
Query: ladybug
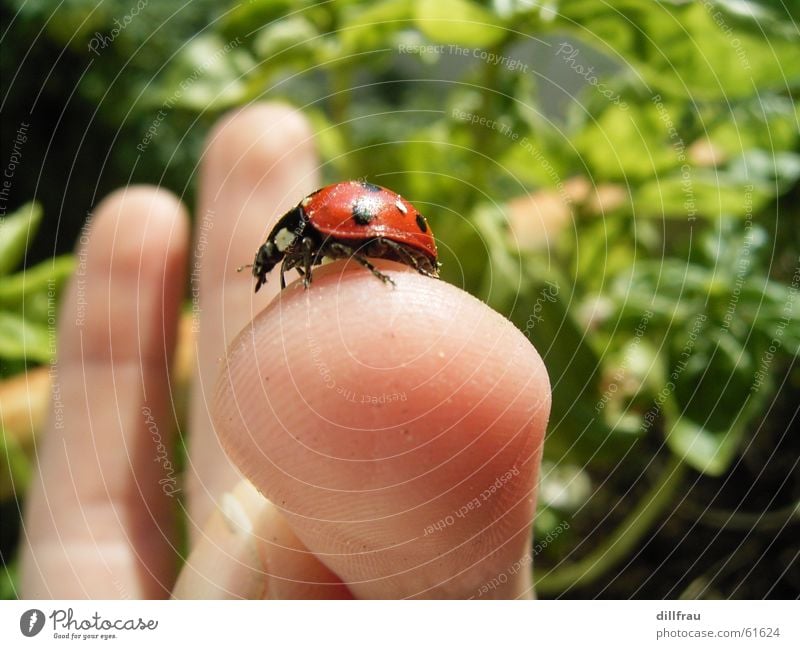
<point>353,219</point>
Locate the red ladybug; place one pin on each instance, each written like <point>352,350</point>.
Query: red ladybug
<point>352,219</point>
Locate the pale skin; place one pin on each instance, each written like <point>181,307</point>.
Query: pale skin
<point>345,441</point>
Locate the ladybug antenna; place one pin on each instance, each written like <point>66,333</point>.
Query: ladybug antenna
<point>241,268</point>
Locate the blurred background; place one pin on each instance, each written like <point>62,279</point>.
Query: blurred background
<point>619,179</point>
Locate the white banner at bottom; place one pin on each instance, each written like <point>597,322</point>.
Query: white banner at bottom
<point>227,624</point>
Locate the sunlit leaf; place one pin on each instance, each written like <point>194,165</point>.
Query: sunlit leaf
<point>712,449</point>
<point>699,194</point>
<point>246,17</point>
<point>16,232</point>
<point>767,122</point>
<point>707,451</point>
<point>630,144</point>
<point>563,486</point>
<point>208,73</point>
<point>688,48</point>
<point>371,26</point>
<point>778,168</point>
<point>34,292</point>
<point>286,40</point>
<point>458,22</point>
<point>20,339</point>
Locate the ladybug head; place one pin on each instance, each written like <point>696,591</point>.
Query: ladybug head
<point>267,256</point>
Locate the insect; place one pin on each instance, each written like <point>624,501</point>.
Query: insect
<point>353,219</point>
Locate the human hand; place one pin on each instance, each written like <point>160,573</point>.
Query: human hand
<point>396,433</point>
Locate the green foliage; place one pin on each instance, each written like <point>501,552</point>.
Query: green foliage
<point>15,233</point>
<point>458,22</point>
<point>691,49</point>
<point>8,582</point>
<point>206,75</point>
<point>16,472</point>
<point>29,298</point>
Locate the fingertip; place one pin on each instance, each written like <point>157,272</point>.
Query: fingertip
<point>131,264</point>
<point>145,200</point>
<point>133,221</point>
<point>368,356</point>
<point>368,413</point>
<point>250,142</point>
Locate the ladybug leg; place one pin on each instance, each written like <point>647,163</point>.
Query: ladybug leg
<point>301,260</point>
<point>410,258</point>
<point>341,250</point>
<point>366,264</point>
<point>286,265</point>
<point>309,259</point>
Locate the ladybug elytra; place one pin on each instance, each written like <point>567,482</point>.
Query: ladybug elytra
<point>354,219</point>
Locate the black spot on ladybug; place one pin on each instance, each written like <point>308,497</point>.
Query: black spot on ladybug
<point>363,212</point>
<point>369,186</point>
<point>421,223</point>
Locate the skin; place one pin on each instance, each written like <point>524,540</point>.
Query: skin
<point>345,440</point>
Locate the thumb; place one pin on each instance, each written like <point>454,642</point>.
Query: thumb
<point>399,431</point>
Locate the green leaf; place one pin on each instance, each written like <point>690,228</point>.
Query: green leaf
<point>458,22</point>
<point>630,144</point>
<point>371,27</point>
<point>707,451</point>
<point>246,17</point>
<point>688,48</point>
<point>672,289</point>
<point>23,340</point>
<point>530,161</point>
<point>536,299</point>
<point>286,40</point>
<point>16,232</point>
<point>8,582</point>
<point>700,193</point>
<point>15,468</point>
<point>564,487</point>
<point>767,122</point>
<point>605,244</point>
<point>769,15</point>
<point>208,74</point>
<point>34,292</point>
<point>713,402</point>
<point>779,168</point>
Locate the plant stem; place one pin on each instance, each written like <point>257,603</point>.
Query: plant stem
<point>747,521</point>
<point>624,539</point>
